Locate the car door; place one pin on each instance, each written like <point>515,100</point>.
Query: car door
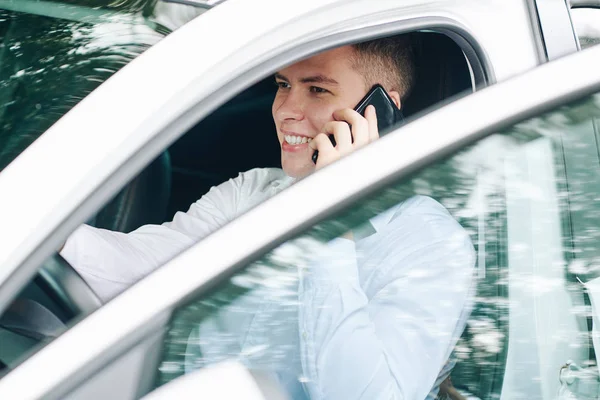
<point>126,126</point>
<point>500,174</point>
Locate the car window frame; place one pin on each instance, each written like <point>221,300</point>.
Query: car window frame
<point>579,5</point>
<point>558,32</point>
<point>143,310</point>
<point>194,103</point>
<point>584,3</point>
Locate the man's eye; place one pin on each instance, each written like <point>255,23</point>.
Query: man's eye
<point>316,89</point>
<point>282,85</point>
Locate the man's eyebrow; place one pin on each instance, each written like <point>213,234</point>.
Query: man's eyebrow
<point>310,79</point>
<point>319,79</point>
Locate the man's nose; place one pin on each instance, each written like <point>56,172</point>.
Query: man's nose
<point>292,107</point>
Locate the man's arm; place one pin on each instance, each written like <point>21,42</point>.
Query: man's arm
<point>110,261</point>
<point>390,336</point>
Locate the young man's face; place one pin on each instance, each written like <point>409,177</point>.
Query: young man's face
<point>309,92</point>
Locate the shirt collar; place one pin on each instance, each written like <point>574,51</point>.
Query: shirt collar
<point>380,221</point>
<point>283,182</point>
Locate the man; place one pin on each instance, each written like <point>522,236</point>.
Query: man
<point>374,324</point>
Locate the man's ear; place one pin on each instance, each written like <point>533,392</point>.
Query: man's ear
<point>396,97</point>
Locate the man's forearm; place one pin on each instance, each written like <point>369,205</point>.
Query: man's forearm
<point>112,261</point>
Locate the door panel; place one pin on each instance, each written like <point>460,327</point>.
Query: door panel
<point>509,337</point>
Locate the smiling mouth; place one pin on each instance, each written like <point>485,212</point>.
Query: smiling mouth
<point>291,139</point>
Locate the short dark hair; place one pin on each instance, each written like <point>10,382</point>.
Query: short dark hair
<point>388,61</point>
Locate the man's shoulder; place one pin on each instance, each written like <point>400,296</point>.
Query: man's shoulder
<point>256,185</point>
<point>420,204</point>
<point>415,206</point>
<point>424,211</point>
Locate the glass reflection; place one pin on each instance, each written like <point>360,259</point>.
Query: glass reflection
<point>52,55</point>
<point>527,200</point>
<point>587,25</point>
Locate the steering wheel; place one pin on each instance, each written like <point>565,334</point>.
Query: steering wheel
<point>43,310</point>
<point>54,297</point>
<point>60,281</point>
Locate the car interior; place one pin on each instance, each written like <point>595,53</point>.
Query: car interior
<point>201,158</point>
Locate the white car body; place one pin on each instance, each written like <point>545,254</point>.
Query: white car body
<point>119,128</point>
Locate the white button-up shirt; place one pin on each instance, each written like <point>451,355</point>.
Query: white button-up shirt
<point>372,318</point>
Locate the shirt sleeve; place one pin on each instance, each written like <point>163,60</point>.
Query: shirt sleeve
<point>111,261</point>
<point>391,340</point>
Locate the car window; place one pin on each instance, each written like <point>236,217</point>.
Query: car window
<point>587,25</point>
<point>476,277</point>
<point>53,54</point>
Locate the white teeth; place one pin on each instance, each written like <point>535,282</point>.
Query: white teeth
<point>296,139</point>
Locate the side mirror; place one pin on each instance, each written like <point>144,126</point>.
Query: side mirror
<point>227,380</point>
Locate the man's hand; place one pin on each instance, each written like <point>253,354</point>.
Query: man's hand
<point>364,131</point>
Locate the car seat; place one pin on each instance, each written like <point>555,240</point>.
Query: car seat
<point>441,72</point>
<point>142,201</point>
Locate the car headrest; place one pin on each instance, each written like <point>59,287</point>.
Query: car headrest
<point>441,71</point>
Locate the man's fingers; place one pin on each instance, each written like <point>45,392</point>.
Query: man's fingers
<point>341,132</point>
<point>364,130</point>
<point>327,154</point>
<point>322,143</point>
<point>360,126</point>
<point>371,116</point>
<point>348,115</point>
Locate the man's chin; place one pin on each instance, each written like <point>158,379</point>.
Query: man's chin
<point>296,170</point>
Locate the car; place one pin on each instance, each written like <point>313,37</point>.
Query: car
<point>506,121</point>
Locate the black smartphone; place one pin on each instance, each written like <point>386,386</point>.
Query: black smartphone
<point>388,115</point>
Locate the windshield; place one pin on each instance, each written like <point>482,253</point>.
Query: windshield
<point>54,53</point>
